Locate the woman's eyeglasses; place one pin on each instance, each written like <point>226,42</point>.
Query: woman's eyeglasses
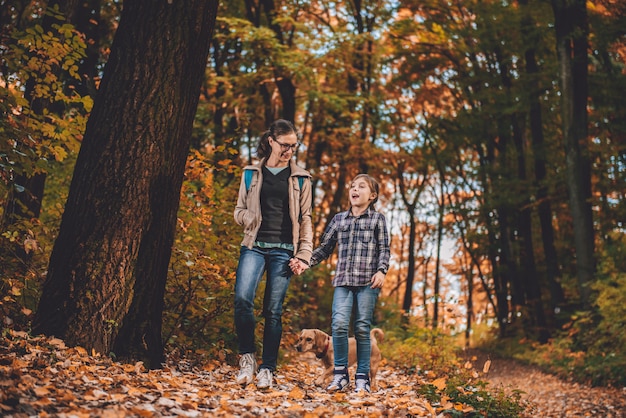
<point>287,147</point>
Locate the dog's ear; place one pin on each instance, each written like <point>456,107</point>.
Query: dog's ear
<point>320,338</point>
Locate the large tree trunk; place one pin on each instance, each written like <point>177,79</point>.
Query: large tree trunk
<point>570,18</point>
<point>497,261</point>
<point>118,227</point>
<point>532,284</point>
<point>531,39</point>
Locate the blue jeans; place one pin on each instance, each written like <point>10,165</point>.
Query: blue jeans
<point>252,264</point>
<point>363,298</point>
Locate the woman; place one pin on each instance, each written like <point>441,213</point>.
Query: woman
<point>274,207</point>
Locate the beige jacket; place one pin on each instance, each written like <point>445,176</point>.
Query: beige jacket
<point>248,209</point>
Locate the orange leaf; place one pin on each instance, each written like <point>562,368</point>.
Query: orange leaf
<point>440,383</point>
<point>297,393</point>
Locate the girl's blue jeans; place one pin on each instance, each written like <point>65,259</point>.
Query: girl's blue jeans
<point>363,299</point>
<point>252,264</point>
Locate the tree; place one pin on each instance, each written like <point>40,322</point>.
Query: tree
<point>570,21</point>
<point>108,267</point>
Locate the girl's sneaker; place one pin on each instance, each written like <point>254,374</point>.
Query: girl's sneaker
<point>341,380</point>
<point>362,383</point>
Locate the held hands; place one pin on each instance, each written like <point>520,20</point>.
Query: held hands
<point>378,280</point>
<point>297,266</point>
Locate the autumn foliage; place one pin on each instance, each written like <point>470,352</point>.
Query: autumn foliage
<point>455,107</point>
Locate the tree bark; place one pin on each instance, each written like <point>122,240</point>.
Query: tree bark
<point>114,245</point>
<point>570,18</point>
<point>544,208</point>
<point>410,202</point>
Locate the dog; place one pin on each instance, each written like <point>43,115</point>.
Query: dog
<point>320,343</point>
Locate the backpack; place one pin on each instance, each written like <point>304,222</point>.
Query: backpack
<point>247,174</point>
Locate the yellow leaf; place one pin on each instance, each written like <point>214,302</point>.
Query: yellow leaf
<point>431,410</point>
<point>467,408</point>
<point>297,393</point>
<point>487,366</point>
<point>440,383</point>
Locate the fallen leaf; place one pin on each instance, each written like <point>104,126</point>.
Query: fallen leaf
<point>439,383</point>
<point>486,366</point>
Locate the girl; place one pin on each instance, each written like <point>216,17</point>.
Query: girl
<point>362,263</point>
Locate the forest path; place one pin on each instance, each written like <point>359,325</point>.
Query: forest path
<point>552,396</point>
<point>42,377</point>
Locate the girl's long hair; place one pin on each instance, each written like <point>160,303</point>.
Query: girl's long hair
<point>373,185</point>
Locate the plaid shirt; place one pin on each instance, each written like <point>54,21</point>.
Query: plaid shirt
<point>363,247</point>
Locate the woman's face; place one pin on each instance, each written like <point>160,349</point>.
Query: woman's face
<point>283,148</point>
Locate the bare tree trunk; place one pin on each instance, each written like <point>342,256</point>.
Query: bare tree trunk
<point>470,301</point>
<point>439,241</point>
<point>500,280</point>
<point>539,155</point>
<point>114,245</point>
<point>570,19</point>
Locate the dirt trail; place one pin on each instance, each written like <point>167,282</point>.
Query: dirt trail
<point>554,397</point>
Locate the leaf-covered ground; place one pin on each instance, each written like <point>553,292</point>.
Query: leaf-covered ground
<point>42,377</point>
<point>554,397</point>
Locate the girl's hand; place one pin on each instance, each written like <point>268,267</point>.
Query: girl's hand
<point>297,266</point>
<point>378,280</point>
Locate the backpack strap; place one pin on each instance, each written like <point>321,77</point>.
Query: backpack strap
<point>247,176</point>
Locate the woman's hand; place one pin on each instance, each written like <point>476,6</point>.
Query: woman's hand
<point>297,266</point>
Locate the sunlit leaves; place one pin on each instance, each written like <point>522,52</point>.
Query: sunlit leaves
<point>43,376</point>
<point>38,65</point>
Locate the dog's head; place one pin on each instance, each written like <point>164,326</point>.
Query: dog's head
<point>309,340</point>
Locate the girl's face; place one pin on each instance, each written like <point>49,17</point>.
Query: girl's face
<point>360,193</point>
<point>283,148</point>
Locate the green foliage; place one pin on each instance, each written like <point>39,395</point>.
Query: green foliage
<point>311,292</point>
<point>588,348</point>
<point>463,389</point>
<point>449,385</point>
<point>421,350</point>
<point>43,118</point>
<point>198,295</point>
<point>41,124</point>
<point>22,275</point>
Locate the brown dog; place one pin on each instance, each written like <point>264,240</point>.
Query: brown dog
<point>320,343</point>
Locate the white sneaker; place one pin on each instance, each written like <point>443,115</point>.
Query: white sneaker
<point>247,367</point>
<point>264,379</point>
<point>362,383</point>
<point>340,380</point>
